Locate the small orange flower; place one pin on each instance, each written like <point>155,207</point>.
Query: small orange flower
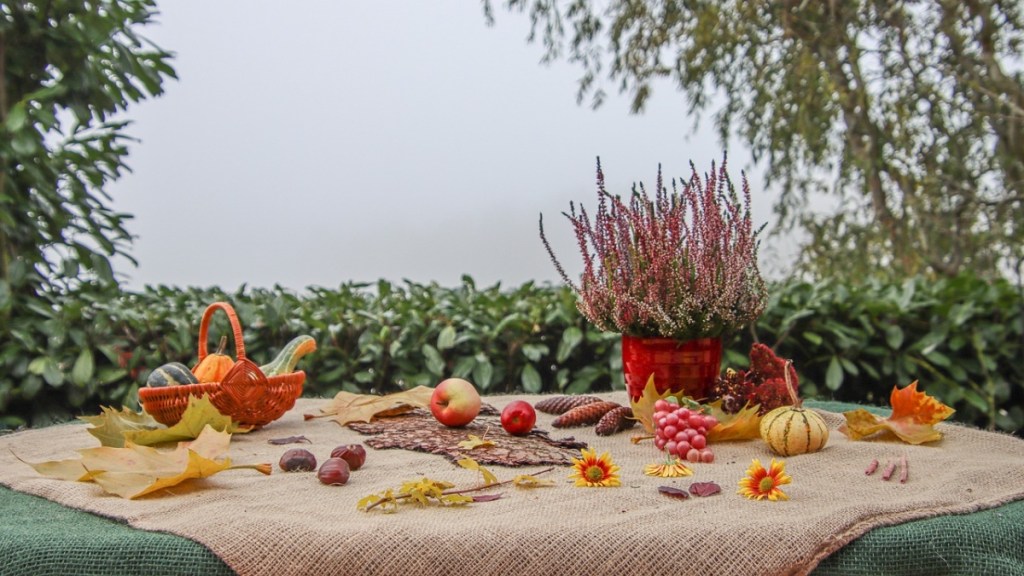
<point>592,470</point>
<point>759,483</point>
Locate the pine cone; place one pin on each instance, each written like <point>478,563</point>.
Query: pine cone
<point>562,404</point>
<point>614,421</point>
<point>585,415</point>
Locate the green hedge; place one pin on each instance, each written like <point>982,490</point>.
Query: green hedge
<point>962,338</point>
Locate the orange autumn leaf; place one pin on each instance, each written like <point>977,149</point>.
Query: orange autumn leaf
<point>743,425</point>
<point>347,407</point>
<point>914,415</point>
<point>134,470</point>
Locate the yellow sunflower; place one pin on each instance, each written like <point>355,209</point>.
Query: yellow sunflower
<point>591,470</point>
<point>759,483</point>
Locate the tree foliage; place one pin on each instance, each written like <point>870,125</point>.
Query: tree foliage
<point>68,68</point>
<point>909,112</point>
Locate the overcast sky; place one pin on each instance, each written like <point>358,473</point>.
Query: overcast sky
<point>352,141</point>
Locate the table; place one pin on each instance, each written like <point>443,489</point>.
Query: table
<point>41,537</point>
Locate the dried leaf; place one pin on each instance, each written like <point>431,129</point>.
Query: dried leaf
<point>289,440</point>
<point>743,425</point>
<point>134,470</point>
<point>486,497</point>
<point>348,407</point>
<point>914,415</point>
<point>530,481</point>
<point>704,488</point>
<point>110,426</point>
<point>470,464</point>
<point>199,414</point>
<point>673,492</point>
<point>475,442</point>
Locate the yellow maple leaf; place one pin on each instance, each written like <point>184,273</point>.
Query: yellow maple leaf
<point>914,415</point>
<point>135,470</point>
<point>743,425</point>
<point>475,442</point>
<point>470,464</point>
<point>347,407</point>
<point>110,426</point>
<point>643,407</point>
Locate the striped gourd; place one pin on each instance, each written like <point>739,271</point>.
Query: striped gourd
<point>171,374</point>
<point>288,357</point>
<point>790,430</point>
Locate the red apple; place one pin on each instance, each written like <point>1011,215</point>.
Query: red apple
<point>455,402</point>
<point>518,418</point>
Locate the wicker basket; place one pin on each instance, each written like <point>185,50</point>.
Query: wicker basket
<point>245,394</point>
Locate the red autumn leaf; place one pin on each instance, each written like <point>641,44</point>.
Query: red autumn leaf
<point>673,492</point>
<point>704,488</point>
<point>914,415</point>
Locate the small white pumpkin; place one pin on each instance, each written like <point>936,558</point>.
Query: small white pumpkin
<point>790,430</point>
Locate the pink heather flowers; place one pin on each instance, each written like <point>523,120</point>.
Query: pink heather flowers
<point>682,265</point>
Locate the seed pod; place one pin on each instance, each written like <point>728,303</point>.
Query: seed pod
<point>585,415</point>
<point>562,404</point>
<point>614,421</point>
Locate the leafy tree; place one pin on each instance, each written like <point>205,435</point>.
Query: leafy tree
<point>67,70</point>
<point>910,113</point>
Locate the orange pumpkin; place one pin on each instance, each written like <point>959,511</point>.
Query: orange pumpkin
<point>215,366</point>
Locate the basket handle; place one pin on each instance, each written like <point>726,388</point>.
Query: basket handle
<point>236,329</point>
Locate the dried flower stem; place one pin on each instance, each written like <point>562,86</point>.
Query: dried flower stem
<point>904,471</point>
<point>454,491</point>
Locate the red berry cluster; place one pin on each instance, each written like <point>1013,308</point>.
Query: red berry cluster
<point>683,432</point>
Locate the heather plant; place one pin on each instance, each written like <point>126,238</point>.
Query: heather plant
<point>680,265</point>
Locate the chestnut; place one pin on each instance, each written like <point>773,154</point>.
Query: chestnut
<point>297,460</point>
<point>354,454</point>
<point>334,472</point>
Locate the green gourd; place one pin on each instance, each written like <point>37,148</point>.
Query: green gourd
<point>171,374</point>
<point>289,356</point>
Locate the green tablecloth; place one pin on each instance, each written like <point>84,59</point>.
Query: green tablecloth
<point>40,537</point>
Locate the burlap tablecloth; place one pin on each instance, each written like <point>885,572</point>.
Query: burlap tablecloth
<point>291,524</point>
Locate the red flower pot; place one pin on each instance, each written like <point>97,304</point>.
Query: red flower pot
<point>689,367</point>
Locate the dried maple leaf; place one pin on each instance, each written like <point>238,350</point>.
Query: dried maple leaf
<point>113,428</point>
<point>743,425</point>
<point>704,488</point>
<point>110,426</point>
<point>348,407</point>
<point>134,470</point>
<point>914,415</point>
<point>673,492</point>
<point>475,442</point>
<point>199,414</point>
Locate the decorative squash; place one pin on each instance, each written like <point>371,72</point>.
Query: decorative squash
<point>216,365</point>
<point>289,356</point>
<point>171,374</point>
<point>791,430</point>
